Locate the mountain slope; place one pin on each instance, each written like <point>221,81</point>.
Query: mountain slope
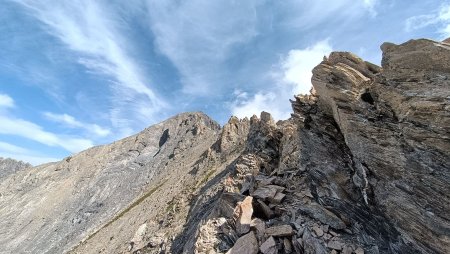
<point>52,207</point>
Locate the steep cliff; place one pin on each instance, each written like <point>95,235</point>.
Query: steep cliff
<point>362,166</point>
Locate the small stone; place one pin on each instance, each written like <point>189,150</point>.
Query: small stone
<point>317,230</point>
<point>265,181</point>
<point>277,198</point>
<point>335,245</point>
<point>359,250</point>
<point>155,241</point>
<point>269,246</point>
<point>300,241</point>
<point>287,245</point>
<point>264,193</point>
<point>281,230</point>
<point>333,233</point>
<point>246,244</point>
<point>347,250</point>
<point>260,228</point>
<point>325,228</point>
<point>333,252</point>
<point>298,244</point>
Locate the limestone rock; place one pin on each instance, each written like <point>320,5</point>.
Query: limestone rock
<point>243,215</point>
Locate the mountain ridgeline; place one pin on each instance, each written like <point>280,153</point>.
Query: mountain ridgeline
<point>362,166</point>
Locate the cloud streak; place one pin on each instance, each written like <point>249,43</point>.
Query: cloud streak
<point>93,31</point>
<point>32,131</point>
<point>18,127</point>
<point>70,122</point>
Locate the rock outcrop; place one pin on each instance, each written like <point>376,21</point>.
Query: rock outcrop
<point>362,166</point>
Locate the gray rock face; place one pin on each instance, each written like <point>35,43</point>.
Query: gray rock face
<point>361,167</point>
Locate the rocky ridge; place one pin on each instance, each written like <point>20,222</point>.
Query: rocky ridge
<point>360,167</point>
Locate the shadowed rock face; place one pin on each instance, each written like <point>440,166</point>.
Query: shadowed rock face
<point>361,167</point>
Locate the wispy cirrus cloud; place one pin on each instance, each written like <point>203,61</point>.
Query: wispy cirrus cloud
<point>70,122</point>
<point>439,18</point>
<point>94,32</point>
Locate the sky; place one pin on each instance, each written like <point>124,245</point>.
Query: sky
<point>80,73</point>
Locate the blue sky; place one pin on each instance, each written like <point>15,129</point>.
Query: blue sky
<point>74,74</point>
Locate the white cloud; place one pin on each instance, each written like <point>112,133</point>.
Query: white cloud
<point>93,30</point>
<point>71,122</point>
<point>293,77</point>
<point>22,128</point>
<point>440,18</point>
<point>6,101</point>
<point>298,65</point>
